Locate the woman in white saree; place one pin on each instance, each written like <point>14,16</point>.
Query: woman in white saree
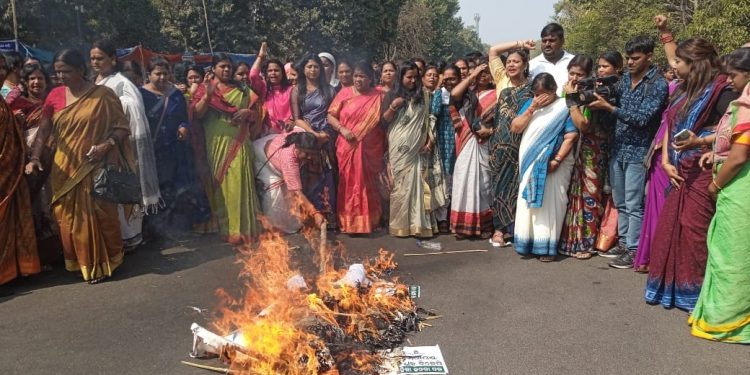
<point>545,166</point>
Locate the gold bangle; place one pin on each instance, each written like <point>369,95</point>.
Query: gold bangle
<point>716,185</point>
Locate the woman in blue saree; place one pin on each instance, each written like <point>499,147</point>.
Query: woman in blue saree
<point>166,110</point>
<point>310,100</point>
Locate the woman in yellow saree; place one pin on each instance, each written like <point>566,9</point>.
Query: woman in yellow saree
<point>88,124</point>
<point>225,114</point>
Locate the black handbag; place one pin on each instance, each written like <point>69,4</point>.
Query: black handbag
<point>117,184</point>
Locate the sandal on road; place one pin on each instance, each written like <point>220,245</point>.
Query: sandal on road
<point>583,255</point>
<point>97,280</point>
<point>546,258</point>
<point>498,240</point>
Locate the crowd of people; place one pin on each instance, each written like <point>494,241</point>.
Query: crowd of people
<point>561,154</point>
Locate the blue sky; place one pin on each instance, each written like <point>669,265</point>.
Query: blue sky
<point>503,20</point>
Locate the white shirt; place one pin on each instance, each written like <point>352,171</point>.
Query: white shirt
<point>559,70</point>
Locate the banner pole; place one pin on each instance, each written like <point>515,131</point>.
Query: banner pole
<point>15,22</point>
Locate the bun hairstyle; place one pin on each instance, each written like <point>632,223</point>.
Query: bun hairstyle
<point>157,61</point>
<point>303,140</point>
<point>584,62</point>
<point>544,81</point>
<point>364,67</point>
<point>109,49</point>
<point>219,57</point>
<point>72,58</point>
<point>523,53</point>
<point>615,59</point>
<point>739,59</point>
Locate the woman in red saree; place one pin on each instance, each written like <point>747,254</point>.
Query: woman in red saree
<point>355,114</point>
<point>18,251</point>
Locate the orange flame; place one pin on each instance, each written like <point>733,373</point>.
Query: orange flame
<point>296,331</point>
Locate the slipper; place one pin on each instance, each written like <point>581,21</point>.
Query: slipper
<point>97,280</point>
<point>583,255</point>
<point>546,258</point>
<point>500,244</point>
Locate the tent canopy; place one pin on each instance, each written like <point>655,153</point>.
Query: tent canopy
<point>138,54</point>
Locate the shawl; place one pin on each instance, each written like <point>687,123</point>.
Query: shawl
<point>334,81</point>
<point>694,118</point>
<point>140,135</point>
<point>218,103</point>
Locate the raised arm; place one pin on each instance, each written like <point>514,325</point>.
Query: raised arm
<point>498,49</point>
<point>666,38</point>
<point>256,81</point>
<point>458,92</point>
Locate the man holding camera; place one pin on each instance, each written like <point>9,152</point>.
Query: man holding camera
<point>643,94</point>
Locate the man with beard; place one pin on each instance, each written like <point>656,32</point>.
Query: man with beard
<point>553,60</point>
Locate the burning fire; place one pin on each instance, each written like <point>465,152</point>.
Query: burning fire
<point>280,325</point>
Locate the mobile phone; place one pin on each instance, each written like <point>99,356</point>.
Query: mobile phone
<point>683,135</point>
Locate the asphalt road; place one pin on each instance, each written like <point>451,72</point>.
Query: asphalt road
<point>502,314</point>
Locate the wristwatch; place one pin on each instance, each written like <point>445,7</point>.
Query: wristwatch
<point>111,141</point>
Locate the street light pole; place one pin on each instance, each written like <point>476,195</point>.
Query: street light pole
<point>208,32</point>
<point>78,9</point>
<point>15,22</point>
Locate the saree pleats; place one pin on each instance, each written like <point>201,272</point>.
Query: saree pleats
<point>89,227</point>
<point>359,162</point>
<point>18,248</point>
<point>230,158</point>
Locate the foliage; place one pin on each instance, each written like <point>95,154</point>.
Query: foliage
<point>593,26</point>
<point>357,28</point>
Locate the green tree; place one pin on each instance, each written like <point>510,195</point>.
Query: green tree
<point>594,26</point>
<point>357,28</point>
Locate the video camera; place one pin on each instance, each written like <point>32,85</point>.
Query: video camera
<point>604,87</point>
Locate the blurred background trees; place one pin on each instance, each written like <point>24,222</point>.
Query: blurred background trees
<point>593,26</point>
<point>359,28</point>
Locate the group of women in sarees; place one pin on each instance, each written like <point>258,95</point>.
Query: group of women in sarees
<point>484,152</point>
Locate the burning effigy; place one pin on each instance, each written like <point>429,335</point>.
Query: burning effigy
<point>337,319</point>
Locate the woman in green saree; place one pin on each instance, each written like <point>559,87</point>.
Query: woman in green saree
<point>225,115</point>
<point>722,312</point>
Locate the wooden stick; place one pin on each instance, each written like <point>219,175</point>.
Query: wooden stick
<point>447,252</point>
<point>323,245</point>
<point>432,317</point>
<point>209,368</point>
